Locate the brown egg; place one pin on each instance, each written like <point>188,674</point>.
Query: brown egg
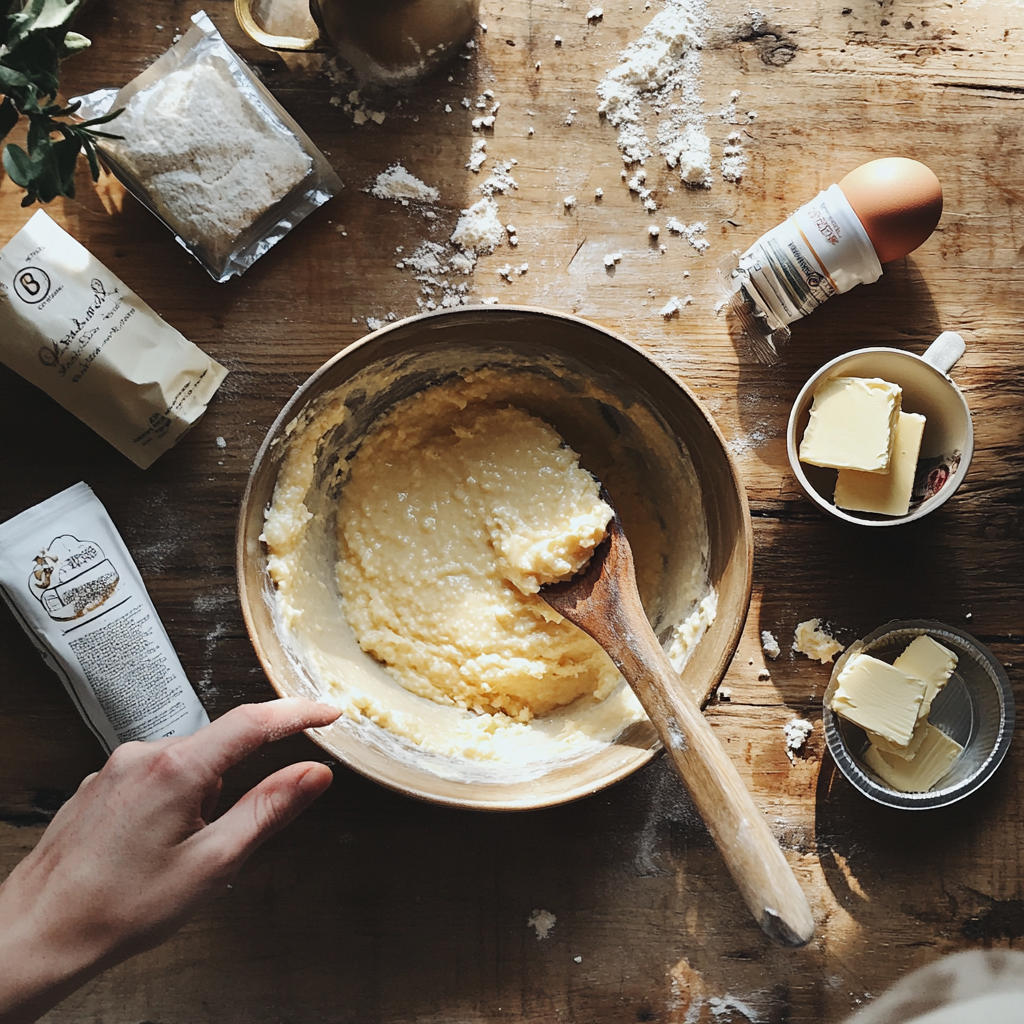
<point>899,202</point>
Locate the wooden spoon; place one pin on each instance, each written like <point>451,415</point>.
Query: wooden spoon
<point>603,601</point>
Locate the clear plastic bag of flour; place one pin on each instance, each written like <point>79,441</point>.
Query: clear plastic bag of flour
<point>74,588</point>
<point>208,149</point>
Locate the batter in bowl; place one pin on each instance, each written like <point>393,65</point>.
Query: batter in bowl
<point>454,515</point>
<point>406,571</point>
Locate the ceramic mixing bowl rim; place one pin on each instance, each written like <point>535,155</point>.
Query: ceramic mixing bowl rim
<point>933,799</point>
<point>948,490</point>
<point>294,406</point>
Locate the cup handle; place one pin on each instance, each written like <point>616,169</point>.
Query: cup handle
<point>243,12</point>
<point>943,352</point>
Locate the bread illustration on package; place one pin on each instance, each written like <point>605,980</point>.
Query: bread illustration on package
<point>74,588</point>
<point>72,578</point>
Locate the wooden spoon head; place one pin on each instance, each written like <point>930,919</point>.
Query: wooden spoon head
<point>592,597</point>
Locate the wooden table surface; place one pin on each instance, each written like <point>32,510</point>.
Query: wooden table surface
<point>375,908</point>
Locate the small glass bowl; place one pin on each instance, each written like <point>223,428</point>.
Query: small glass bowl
<point>975,708</point>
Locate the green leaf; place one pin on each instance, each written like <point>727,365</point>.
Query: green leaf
<point>90,155</point>
<point>11,79</point>
<point>49,14</point>
<point>73,42</point>
<point>18,165</point>
<point>65,156</point>
<point>39,129</point>
<point>8,116</point>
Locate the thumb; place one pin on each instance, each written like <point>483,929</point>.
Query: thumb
<point>264,810</point>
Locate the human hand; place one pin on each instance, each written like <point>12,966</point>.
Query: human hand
<point>134,853</point>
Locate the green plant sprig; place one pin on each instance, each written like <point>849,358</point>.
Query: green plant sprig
<point>34,39</point>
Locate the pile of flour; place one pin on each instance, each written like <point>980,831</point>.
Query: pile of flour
<point>662,70</point>
<point>212,159</point>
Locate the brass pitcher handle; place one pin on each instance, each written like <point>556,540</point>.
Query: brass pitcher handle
<point>243,12</point>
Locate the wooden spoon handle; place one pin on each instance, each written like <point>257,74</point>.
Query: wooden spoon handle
<point>740,830</point>
<point>604,602</point>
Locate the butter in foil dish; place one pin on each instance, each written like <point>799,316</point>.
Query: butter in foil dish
<point>209,150</point>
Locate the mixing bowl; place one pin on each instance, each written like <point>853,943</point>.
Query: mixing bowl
<point>635,444</point>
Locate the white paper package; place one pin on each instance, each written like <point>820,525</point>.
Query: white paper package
<point>820,251</point>
<point>75,589</point>
<point>77,331</point>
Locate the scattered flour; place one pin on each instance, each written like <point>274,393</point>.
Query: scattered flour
<point>734,159</point>
<point>500,180</point>
<point>797,731</point>
<point>477,155</point>
<point>479,229</point>
<point>770,644</point>
<point>662,68</point>
<point>433,264</point>
<point>398,184</point>
<point>810,639</point>
<point>541,921</point>
<point>693,233</point>
<point>349,99</point>
<point>674,305</point>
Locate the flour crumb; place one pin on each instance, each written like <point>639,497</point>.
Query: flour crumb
<point>612,258</point>
<point>396,183</point>
<point>595,14</point>
<point>673,306</point>
<point>500,180</point>
<point>817,643</point>
<point>477,155</point>
<point>479,229</point>
<point>541,921</point>
<point>654,231</point>
<point>558,40</point>
<point>569,202</point>
<point>221,443</point>
<point>598,193</point>
<point>693,233</point>
<point>769,644</point>
<point>797,731</point>
<point>570,118</point>
<point>734,159</point>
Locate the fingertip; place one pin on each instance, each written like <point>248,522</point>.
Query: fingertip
<point>315,781</point>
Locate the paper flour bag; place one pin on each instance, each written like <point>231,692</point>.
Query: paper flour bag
<point>75,589</point>
<point>74,329</point>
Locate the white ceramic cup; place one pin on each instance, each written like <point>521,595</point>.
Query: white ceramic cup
<point>948,442</point>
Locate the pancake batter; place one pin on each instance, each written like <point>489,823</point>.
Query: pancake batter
<point>453,517</point>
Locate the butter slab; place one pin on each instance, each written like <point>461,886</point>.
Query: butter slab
<point>879,697</point>
<point>926,659</point>
<point>886,493</point>
<point>852,425</point>
<point>935,757</point>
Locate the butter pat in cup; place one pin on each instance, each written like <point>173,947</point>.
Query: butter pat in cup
<point>918,715</point>
<point>881,436</point>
